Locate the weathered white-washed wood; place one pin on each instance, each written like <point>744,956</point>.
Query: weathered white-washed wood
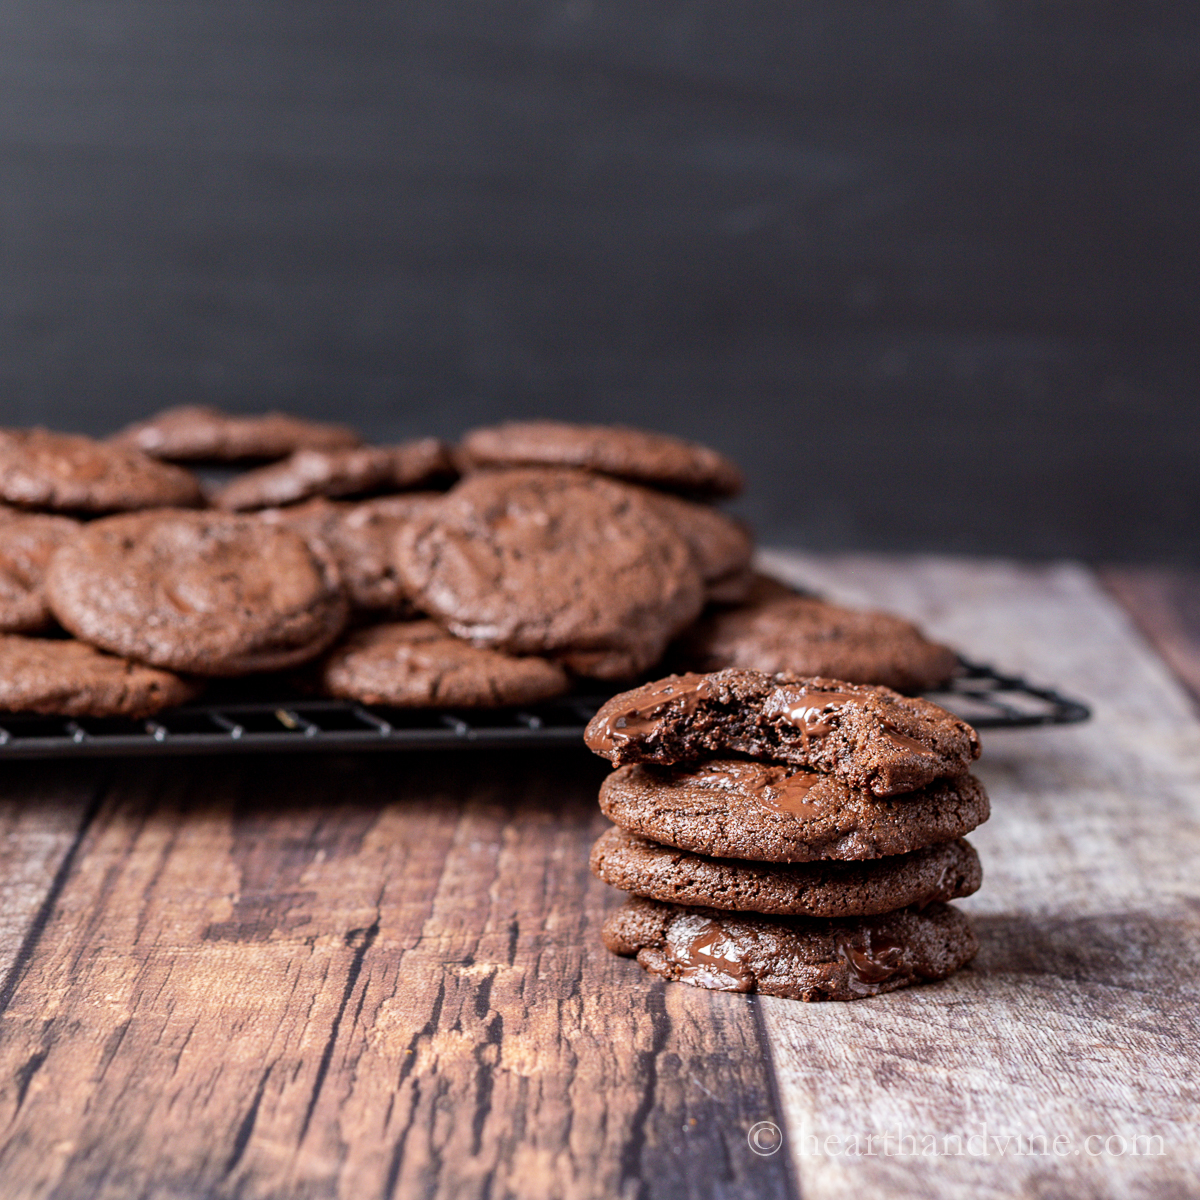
<point>363,978</point>
<point>1080,1017</point>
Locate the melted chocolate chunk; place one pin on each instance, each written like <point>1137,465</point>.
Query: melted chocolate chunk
<point>813,718</point>
<point>623,723</point>
<point>706,962</point>
<point>872,961</point>
<point>795,957</point>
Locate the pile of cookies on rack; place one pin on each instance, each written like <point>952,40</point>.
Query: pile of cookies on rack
<point>495,571</point>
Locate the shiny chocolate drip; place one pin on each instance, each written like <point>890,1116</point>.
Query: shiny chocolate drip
<point>789,794</point>
<point>810,712</point>
<point>779,788</point>
<point>701,959</point>
<point>638,716</point>
<point>872,958</point>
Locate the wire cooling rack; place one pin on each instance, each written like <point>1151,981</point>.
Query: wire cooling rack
<point>257,719</point>
<point>990,699</point>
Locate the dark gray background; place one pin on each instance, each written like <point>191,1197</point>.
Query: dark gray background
<point>928,269</point>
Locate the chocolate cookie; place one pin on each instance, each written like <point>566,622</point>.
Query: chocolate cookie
<point>731,808</point>
<point>64,678</point>
<point>200,592</point>
<point>315,520</point>
<point>824,889</point>
<point>570,566</point>
<point>417,664</point>
<point>867,736</point>
<point>799,958</point>
<point>804,636</point>
<point>365,543</point>
<point>748,587</point>
<point>197,433</point>
<point>634,454</point>
<point>69,473</point>
<point>723,545</point>
<point>360,538</point>
<point>353,472</point>
<point>27,543</point>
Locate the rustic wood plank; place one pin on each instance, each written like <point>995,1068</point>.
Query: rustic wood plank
<point>373,977</point>
<point>43,817</point>
<point>1079,1017</point>
<point>1164,603</point>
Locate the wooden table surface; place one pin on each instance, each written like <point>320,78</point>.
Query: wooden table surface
<point>381,976</point>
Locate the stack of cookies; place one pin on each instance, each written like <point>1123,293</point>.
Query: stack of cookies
<point>799,837</point>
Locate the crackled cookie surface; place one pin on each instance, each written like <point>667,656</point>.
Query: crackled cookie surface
<point>201,592</point>
<point>199,433</point>
<point>65,472</point>
<point>821,889</point>
<point>27,543</point>
<point>417,664</point>
<point>723,545</point>
<point>344,472</point>
<point>361,539</point>
<point>869,737</point>
<point>66,678</point>
<point>562,564</point>
<point>801,635</point>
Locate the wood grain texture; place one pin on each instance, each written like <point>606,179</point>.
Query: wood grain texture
<point>361,978</point>
<point>1079,1017</point>
<point>42,822</point>
<point>1164,603</point>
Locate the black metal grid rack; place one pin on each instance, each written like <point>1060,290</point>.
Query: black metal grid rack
<point>990,699</point>
<point>985,697</point>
